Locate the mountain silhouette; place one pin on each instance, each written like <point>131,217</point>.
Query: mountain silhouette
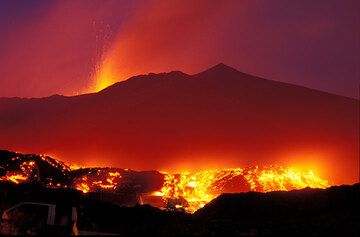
<point>217,118</point>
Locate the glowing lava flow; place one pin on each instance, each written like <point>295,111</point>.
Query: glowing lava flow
<point>192,191</point>
<point>186,191</point>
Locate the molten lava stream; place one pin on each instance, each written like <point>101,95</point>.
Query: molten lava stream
<point>179,191</point>
<point>192,191</point>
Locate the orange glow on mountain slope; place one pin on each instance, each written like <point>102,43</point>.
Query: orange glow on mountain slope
<point>154,51</point>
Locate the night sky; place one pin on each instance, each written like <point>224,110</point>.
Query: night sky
<point>71,47</point>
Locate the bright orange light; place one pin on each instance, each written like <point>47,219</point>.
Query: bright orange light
<point>104,77</point>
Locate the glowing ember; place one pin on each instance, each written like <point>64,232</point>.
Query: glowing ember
<point>15,178</point>
<point>99,180</point>
<point>59,164</point>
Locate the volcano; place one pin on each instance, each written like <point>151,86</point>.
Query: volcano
<point>173,121</point>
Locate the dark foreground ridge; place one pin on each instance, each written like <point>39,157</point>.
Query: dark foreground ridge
<point>316,212</point>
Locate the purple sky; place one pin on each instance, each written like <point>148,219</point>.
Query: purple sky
<point>56,47</point>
